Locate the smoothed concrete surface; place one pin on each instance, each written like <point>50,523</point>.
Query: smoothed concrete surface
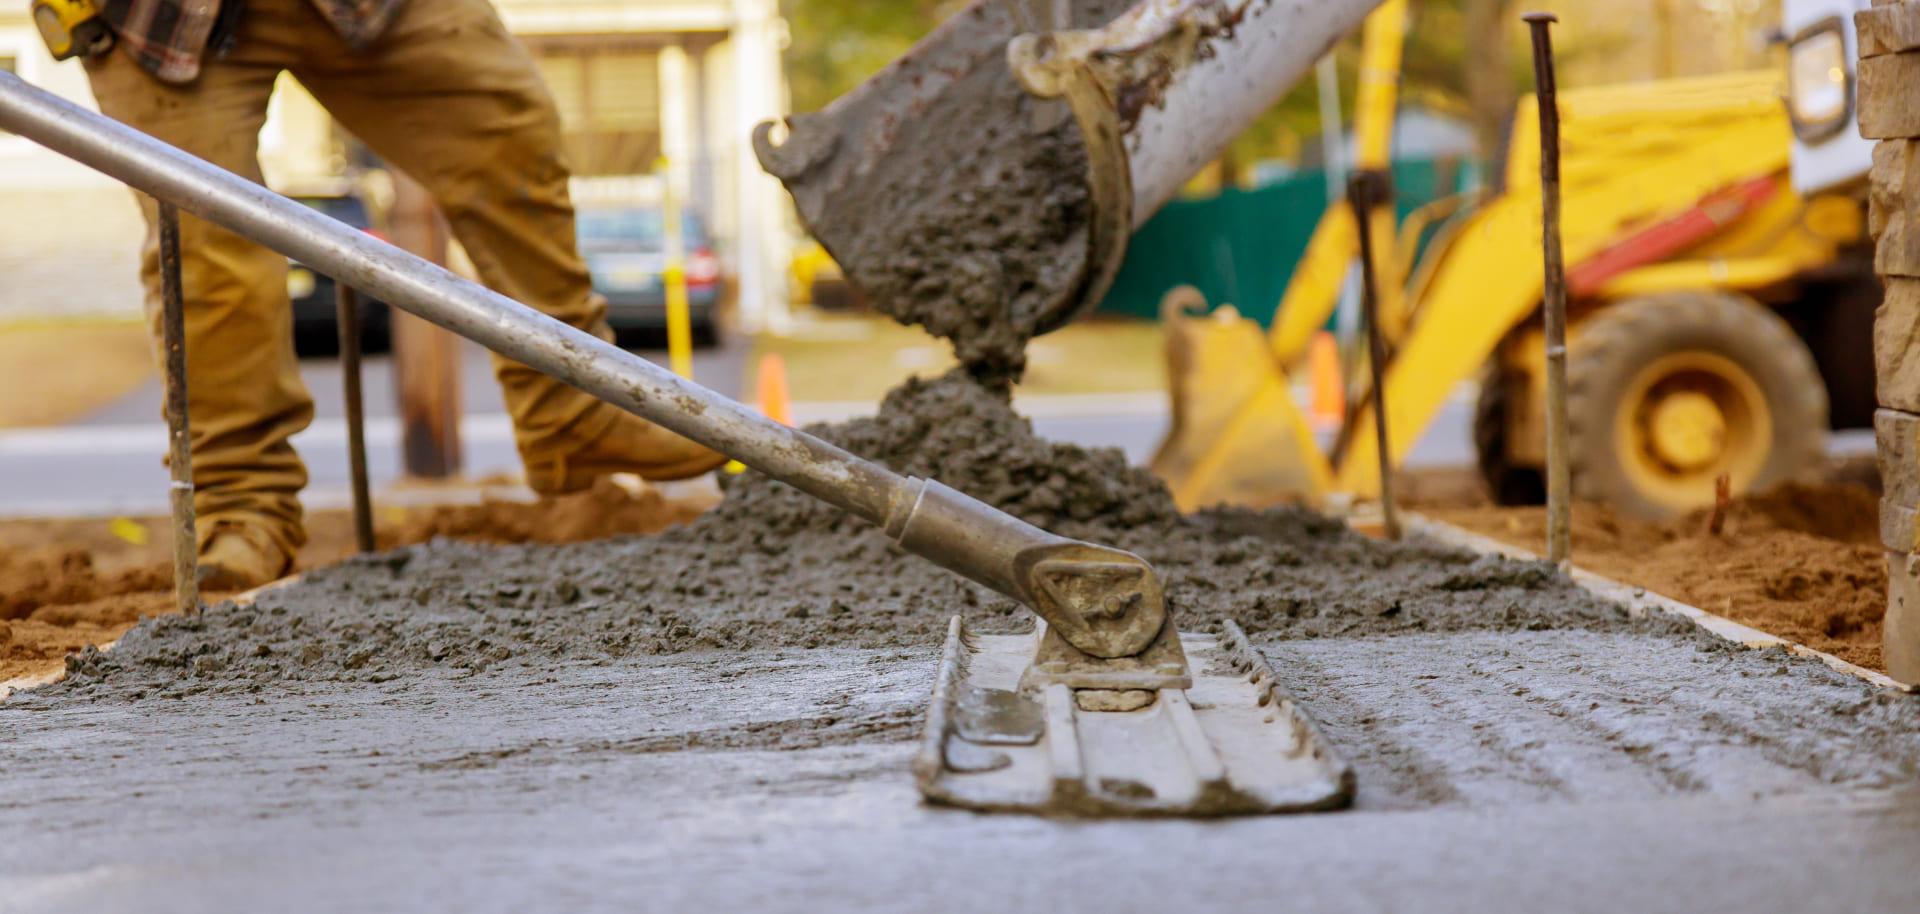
<point>778,781</point>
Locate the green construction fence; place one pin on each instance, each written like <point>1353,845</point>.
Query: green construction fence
<point>1239,247</point>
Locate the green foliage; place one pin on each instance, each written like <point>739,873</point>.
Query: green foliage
<point>837,43</point>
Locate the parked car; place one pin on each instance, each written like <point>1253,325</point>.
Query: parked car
<point>626,251</point>
<point>316,330</point>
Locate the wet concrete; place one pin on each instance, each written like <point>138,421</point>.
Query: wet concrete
<point>967,211</point>
<point>777,781</point>
<point>721,715</point>
<point>977,260</point>
<point>1505,718</point>
<point>773,568</point>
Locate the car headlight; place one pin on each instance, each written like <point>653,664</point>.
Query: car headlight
<point>1819,85</point>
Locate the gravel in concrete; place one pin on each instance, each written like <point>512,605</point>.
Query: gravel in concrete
<point>721,716</point>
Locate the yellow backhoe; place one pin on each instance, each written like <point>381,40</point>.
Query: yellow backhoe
<point>1701,286</point>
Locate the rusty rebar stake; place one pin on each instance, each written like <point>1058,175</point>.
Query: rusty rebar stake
<point>1363,193</point>
<point>347,313</point>
<point>173,339</point>
<point>1554,292</point>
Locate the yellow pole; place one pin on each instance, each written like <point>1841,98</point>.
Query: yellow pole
<point>679,323</point>
<point>1314,290</point>
<point>1382,41</point>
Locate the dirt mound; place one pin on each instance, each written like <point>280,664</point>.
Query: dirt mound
<point>35,578</point>
<point>38,641</point>
<point>772,568</point>
<point>1844,513</point>
<point>1801,561</point>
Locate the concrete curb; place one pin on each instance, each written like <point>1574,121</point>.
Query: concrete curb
<point>1640,600</point>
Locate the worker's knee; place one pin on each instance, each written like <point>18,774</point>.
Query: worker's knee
<point>520,163</point>
<point>226,280</point>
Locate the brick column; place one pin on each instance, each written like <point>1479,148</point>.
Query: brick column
<point>1889,111</point>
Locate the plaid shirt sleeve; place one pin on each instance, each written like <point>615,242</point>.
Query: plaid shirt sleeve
<point>168,38</point>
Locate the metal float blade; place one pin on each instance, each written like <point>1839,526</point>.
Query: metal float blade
<point>1232,744</point>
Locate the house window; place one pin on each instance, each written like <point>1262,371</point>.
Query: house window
<point>609,101</point>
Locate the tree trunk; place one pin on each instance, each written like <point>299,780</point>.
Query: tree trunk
<point>1489,84</point>
<point>426,359</point>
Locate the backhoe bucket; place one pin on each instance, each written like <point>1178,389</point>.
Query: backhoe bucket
<point>1237,436</point>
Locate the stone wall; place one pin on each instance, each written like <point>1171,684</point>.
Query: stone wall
<point>1889,112</point>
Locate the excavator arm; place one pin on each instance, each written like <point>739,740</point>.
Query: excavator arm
<point>1638,159</point>
<point>1314,289</point>
<point>1673,185</point>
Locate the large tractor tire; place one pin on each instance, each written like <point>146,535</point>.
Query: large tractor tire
<point>1668,392</point>
<point>1508,482</point>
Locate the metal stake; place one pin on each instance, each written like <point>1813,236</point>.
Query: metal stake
<point>348,312</point>
<point>1554,293</point>
<point>173,340</point>
<point>1363,192</point>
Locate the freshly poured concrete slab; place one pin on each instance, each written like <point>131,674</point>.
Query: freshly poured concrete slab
<point>722,716</point>
<point>779,781</point>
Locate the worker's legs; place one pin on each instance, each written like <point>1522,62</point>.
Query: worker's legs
<point>245,398</point>
<point>451,98</point>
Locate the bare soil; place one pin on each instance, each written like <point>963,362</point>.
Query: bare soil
<point>58,600</point>
<point>1802,561</point>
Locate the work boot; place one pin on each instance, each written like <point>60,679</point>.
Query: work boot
<point>241,557</point>
<point>629,445</point>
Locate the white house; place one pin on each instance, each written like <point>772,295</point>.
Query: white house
<point>636,81</point>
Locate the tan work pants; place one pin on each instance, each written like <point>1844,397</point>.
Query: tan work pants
<point>447,96</point>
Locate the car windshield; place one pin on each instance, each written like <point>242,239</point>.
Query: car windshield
<point>633,228</point>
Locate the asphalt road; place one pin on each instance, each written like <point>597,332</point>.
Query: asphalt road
<point>109,462</point>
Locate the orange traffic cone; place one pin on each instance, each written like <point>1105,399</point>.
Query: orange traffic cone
<point>1327,407</point>
<point>775,403</point>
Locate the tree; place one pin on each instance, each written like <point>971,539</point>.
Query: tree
<point>836,44</point>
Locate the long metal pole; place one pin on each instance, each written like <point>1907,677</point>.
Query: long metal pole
<point>1363,194</point>
<point>348,314</point>
<point>939,524</point>
<point>380,270</point>
<point>173,343</point>
<point>1554,292</point>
